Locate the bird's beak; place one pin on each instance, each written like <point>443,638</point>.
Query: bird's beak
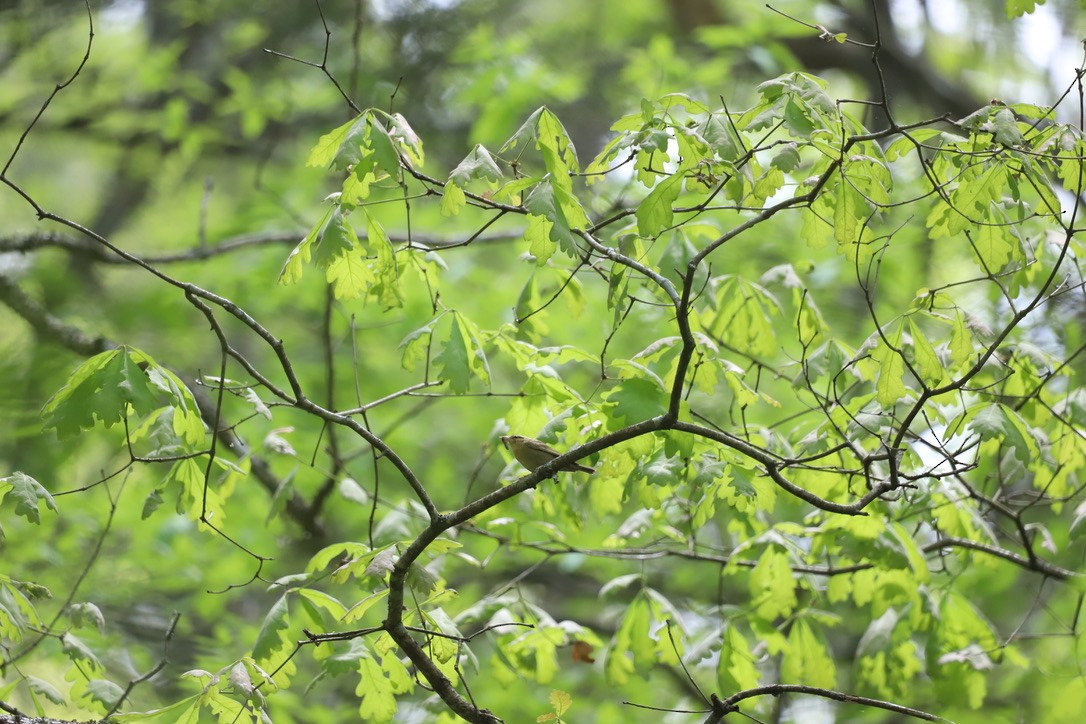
<point>505,441</point>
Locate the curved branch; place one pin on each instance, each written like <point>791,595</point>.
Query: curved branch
<point>724,707</point>
<point>1035,564</point>
<point>773,466</point>
<point>394,623</point>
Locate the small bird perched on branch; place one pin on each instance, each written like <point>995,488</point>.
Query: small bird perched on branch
<point>533,454</point>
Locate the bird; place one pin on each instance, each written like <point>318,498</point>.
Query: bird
<point>533,454</point>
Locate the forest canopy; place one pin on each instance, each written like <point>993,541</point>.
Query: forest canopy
<point>787,299</point>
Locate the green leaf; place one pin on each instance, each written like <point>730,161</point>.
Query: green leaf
<point>971,200</point>
<point>736,669</point>
<point>534,653</point>
<point>925,360</point>
<point>321,599</point>
<point>356,187</point>
<point>748,493</point>
<point>335,239</point>
<point>768,184</point>
<point>340,145</point>
<point>807,660</point>
<point>662,470</point>
<point>1004,127</point>
<point>103,693</point>
<point>963,639</point>
<point>364,145</point>
<point>997,240</point>
<point>322,558</point>
<point>848,215</point>
<point>654,213</point>
<point>385,155</point>
<point>188,425</point>
<point>151,503</point>
<point>271,636</point>
<point>194,493</point>
<point>272,648</point>
<point>359,610</point>
<point>186,711</point>
<point>719,132</point>
<point>917,563</point>
<point>478,164</point>
<point>17,612</point>
<point>405,137</point>
<point>81,655</point>
<point>334,247</point>
<point>787,158</point>
<point>1048,203</point>
<point>452,199</point>
<point>890,385</point>
<point>797,120</point>
<point>349,274</point>
<point>908,143</point>
<point>660,356</point>
<point>478,363</point>
<point>635,400</point>
<point>743,317</point>
<point>105,388</point>
<point>637,634</point>
<point>300,255</point>
<point>560,702</point>
<point>527,133</point>
<point>86,614</point>
<point>561,208</point>
<point>511,191</point>
<point>28,494</point>
<point>378,703</point>
<point>998,422</point>
<point>559,155</point>
<point>772,589</point>
<point>44,688</point>
<point>416,345</point>
<point>452,362</point>
<point>386,285</point>
<point>816,230</point>
<point>538,237</point>
<point>961,341</point>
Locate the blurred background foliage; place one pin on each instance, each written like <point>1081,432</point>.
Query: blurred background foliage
<point>183,133</point>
